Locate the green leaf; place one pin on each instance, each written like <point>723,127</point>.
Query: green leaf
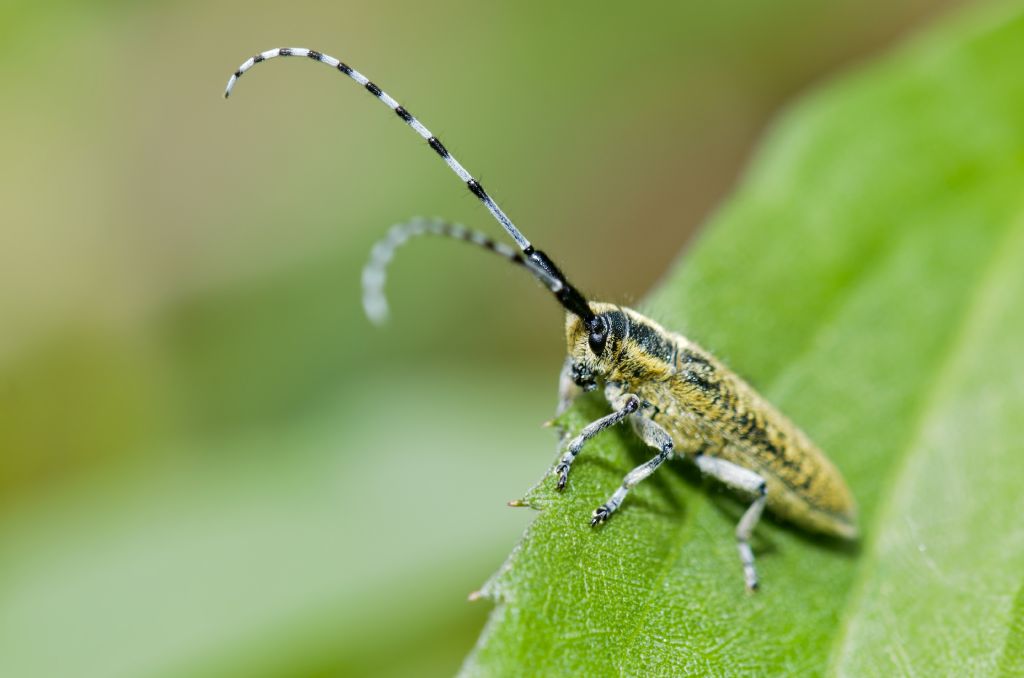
<point>867,277</point>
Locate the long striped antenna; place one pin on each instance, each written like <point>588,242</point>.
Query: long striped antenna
<point>375,302</point>
<point>535,260</point>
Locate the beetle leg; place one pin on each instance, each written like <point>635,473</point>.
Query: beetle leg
<point>625,405</point>
<point>655,436</point>
<point>568,391</point>
<point>745,480</point>
<point>567,388</point>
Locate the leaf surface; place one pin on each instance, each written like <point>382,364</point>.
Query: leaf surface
<point>866,277</point>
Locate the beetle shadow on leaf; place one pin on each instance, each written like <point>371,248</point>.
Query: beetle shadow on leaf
<point>663,484</point>
<point>732,506</point>
<point>848,547</point>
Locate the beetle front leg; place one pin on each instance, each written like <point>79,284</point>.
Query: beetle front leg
<point>567,388</point>
<point>625,404</point>
<point>568,391</point>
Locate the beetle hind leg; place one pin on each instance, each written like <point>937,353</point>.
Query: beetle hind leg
<point>743,531</point>
<point>745,480</point>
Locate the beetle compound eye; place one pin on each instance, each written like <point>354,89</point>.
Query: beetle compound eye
<point>598,336</point>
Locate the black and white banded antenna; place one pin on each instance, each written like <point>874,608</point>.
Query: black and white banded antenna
<point>375,302</point>
<point>533,259</point>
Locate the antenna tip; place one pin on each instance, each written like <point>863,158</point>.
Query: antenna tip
<point>376,310</point>
<point>375,304</point>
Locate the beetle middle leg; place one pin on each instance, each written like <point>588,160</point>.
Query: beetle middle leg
<point>624,404</point>
<point>745,480</point>
<point>655,436</point>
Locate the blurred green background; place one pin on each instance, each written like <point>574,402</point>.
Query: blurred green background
<point>210,462</point>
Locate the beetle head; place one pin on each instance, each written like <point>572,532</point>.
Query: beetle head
<point>594,343</point>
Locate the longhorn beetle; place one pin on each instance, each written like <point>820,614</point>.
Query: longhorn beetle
<point>678,397</point>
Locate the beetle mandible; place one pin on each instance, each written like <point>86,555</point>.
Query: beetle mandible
<point>678,397</point>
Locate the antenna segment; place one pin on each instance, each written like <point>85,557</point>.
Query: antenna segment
<point>472,184</point>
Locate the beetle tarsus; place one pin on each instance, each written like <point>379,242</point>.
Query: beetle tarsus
<point>601,514</point>
<point>562,471</point>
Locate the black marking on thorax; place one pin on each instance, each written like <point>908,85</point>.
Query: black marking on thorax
<point>652,342</point>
